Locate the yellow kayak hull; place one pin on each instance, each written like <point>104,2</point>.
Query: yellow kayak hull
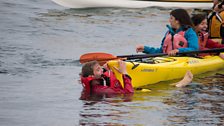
<point>167,69</point>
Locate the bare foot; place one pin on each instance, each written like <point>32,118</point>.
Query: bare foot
<point>186,80</point>
<point>221,55</point>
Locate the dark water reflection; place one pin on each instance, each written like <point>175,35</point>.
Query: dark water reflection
<point>98,107</point>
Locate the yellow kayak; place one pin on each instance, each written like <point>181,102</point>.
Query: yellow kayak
<point>168,68</point>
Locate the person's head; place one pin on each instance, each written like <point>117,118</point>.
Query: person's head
<point>92,68</point>
<point>200,22</point>
<point>216,1</point>
<point>180,17</point>
<point>217,5</point>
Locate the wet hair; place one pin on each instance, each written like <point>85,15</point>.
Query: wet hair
<point>198,18</point>
<point>182,16</point>
<point>87,68</point>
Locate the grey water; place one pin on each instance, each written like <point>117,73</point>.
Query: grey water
<point>40,45</point>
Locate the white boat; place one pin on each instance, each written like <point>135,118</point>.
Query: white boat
<point>202,4</point>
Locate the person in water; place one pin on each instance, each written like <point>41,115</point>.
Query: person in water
<point>200,22</point>
<point>180,36</point>
<point>97,80</point>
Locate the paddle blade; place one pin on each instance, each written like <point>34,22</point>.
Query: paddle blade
<point>98,56</point>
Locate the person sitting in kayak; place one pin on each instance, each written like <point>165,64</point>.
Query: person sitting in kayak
<point>218,5</point>
<point>95,80</point>
<point>179,38</point>
<point>216,21</point>
<point>200,22</point>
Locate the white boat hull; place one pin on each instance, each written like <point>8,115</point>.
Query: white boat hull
<point>130,4</point>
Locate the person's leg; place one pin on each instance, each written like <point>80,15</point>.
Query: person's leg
<point>221,55</point>
<point>186,80</point>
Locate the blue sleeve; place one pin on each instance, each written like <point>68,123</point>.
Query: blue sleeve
<point>151,50</point>
<point>192,40</point>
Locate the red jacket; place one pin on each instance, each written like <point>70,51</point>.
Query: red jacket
<point>117,88</point>
<point>213,44</point>
<point>112,86</point>
<point>206,43</point>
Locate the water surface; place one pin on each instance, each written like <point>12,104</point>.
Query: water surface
<point>40,44</point>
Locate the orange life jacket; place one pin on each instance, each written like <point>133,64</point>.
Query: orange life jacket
<point>174,42</point>
<point>215,23</point>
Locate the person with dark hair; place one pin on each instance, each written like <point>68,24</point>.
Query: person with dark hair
<point>179,38</point>
<point>200,22</point>
<point>96,80</point>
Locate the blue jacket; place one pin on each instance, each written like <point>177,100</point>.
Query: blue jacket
<point>190,36</point>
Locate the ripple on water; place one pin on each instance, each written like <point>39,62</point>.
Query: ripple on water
<point>203,98</point>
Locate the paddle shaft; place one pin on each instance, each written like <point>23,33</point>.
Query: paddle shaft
<point>164,54</point>
<point>104,57</point>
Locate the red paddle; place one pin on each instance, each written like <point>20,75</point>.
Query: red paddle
<point>98,56</point>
